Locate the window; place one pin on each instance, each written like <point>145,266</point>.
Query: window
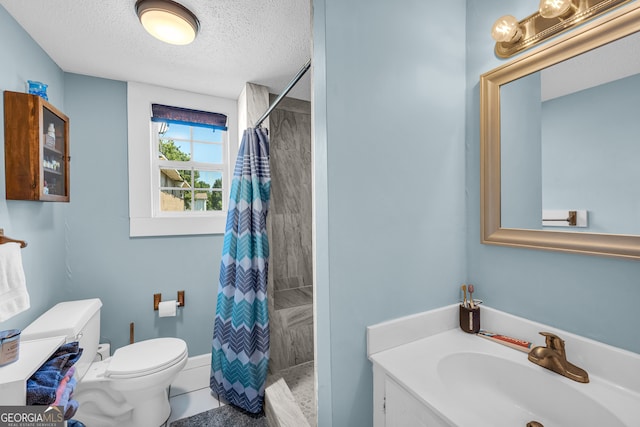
<point>179,173</point>
<point>189,168</point>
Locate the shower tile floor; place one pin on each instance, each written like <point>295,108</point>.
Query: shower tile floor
<point>300,380</point>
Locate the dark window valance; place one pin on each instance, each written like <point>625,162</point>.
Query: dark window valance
<point>186,116</point>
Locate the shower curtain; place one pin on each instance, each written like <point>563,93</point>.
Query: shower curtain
<point>240,350</point>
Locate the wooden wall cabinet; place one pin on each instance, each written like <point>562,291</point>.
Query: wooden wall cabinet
<point>36,149</point>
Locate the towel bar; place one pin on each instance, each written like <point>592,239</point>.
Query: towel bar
<point>5,239</point>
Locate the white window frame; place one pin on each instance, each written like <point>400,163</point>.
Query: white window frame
<point>142,220</point>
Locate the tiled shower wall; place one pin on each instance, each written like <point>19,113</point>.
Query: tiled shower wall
<point>290,264</point>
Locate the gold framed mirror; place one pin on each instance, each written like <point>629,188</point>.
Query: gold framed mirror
<point>494,230</point>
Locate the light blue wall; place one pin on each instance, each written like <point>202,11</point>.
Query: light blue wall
<point>592,296</point>
<point>520,153</point>
<point>389,157</point>
<point>602,172</point>
<point>104,261</point>
<point>42,225</point>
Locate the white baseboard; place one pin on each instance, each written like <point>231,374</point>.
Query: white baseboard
<point>194,376</point>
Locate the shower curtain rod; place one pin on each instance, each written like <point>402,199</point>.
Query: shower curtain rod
<point>286,90</point>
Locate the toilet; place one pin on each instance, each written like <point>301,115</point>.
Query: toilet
<point>129,388</point>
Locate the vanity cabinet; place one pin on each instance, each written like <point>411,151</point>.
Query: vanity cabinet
<point>402,409</point>
<point>394,406</point>
<point>36,149</point>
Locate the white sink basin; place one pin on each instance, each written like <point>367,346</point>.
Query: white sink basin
<point>466,380</point>
<point>499,389</point>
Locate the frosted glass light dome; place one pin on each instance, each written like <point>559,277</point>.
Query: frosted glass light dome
<point>168,21</point>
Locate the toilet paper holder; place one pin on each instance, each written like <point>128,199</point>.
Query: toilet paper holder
<point>157,299</point>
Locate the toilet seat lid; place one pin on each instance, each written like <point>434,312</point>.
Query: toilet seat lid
<point>146,357</point>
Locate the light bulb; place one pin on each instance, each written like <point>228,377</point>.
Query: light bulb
<point>554,8</point>
<point>506,29</point>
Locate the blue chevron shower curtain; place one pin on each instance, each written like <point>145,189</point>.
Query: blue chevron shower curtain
<point>240,350</point>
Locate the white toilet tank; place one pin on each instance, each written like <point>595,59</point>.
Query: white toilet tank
<point>75,320</point>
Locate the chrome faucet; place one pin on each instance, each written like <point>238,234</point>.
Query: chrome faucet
<point>554,358</point>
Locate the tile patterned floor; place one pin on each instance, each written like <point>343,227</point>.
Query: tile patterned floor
<point>300,380</point>
<point>192,403</point>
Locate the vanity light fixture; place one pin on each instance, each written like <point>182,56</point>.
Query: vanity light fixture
<point>552,17</point>
<point>168,21</point>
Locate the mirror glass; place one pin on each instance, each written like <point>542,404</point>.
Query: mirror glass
<point>560,141</point>
<point>570,140</point>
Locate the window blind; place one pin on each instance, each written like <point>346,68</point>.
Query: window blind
<point>186,116</point>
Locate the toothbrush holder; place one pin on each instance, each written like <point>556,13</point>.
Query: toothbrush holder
<point>470,319</point>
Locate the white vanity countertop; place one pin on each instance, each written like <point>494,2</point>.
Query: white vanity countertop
<point>433,363</point>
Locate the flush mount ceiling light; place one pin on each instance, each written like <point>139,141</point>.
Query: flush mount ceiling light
<point>168,21</point>
<point>553,16</point>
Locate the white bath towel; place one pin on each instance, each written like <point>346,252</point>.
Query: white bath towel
<point>14,297</point>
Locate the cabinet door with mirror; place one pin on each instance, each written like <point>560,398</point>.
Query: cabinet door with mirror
<point>560,134</point>
<point>36,149</point>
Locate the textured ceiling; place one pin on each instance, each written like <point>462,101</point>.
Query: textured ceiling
<point>258,41</point>
<point>593,68</point>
